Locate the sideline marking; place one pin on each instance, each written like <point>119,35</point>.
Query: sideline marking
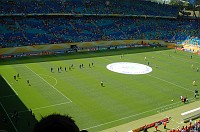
<point>170,83</point>
<point>10,85</point>
<point>130,116</point>
<point>9,117</point>
<point>50,77</point>
<point>45,107</point>
<point>47,83</point>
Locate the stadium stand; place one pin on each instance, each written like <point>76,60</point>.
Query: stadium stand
<point>127,7</point>
<point>26,23</point>
<point>23,31</point>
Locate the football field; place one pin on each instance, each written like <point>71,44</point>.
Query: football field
<point>73,86</point>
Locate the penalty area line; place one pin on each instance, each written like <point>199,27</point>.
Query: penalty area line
<point>48,83</point>
<point>50,77</point>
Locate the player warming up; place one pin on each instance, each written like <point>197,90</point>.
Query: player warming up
<point>28,82</point>
<point>194,83</point>
<point>196,93</point>
<point>102,85</point>
<point>145,58</point>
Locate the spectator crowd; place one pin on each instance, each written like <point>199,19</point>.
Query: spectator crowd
<point>47,24</point>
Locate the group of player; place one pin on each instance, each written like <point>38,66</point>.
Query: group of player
<point>195,91</point>
<point>80,66</point>
<point>148,63</point>
<point>192,66</point>
<point>184,99</point>
<point>194,82</point>
<point>70,67</point>
<point>16,77</point>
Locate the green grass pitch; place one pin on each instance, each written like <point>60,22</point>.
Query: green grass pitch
<point>78,92</point>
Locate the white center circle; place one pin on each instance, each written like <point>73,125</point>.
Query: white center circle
<point>129,68</point>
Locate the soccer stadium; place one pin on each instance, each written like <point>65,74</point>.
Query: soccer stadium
<point>99,65</point>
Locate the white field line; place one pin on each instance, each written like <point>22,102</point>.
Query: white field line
<point>170,83</point>
<point>131,116</point>
<point>181,122</point>
<point>48,83</point>
<point>9,117</point>
<point>162,107</point>
<point>141,112</point>
<point>117,119</point>
<point>10,85</point>
<point>50,77</point>
<point>45,107</point>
